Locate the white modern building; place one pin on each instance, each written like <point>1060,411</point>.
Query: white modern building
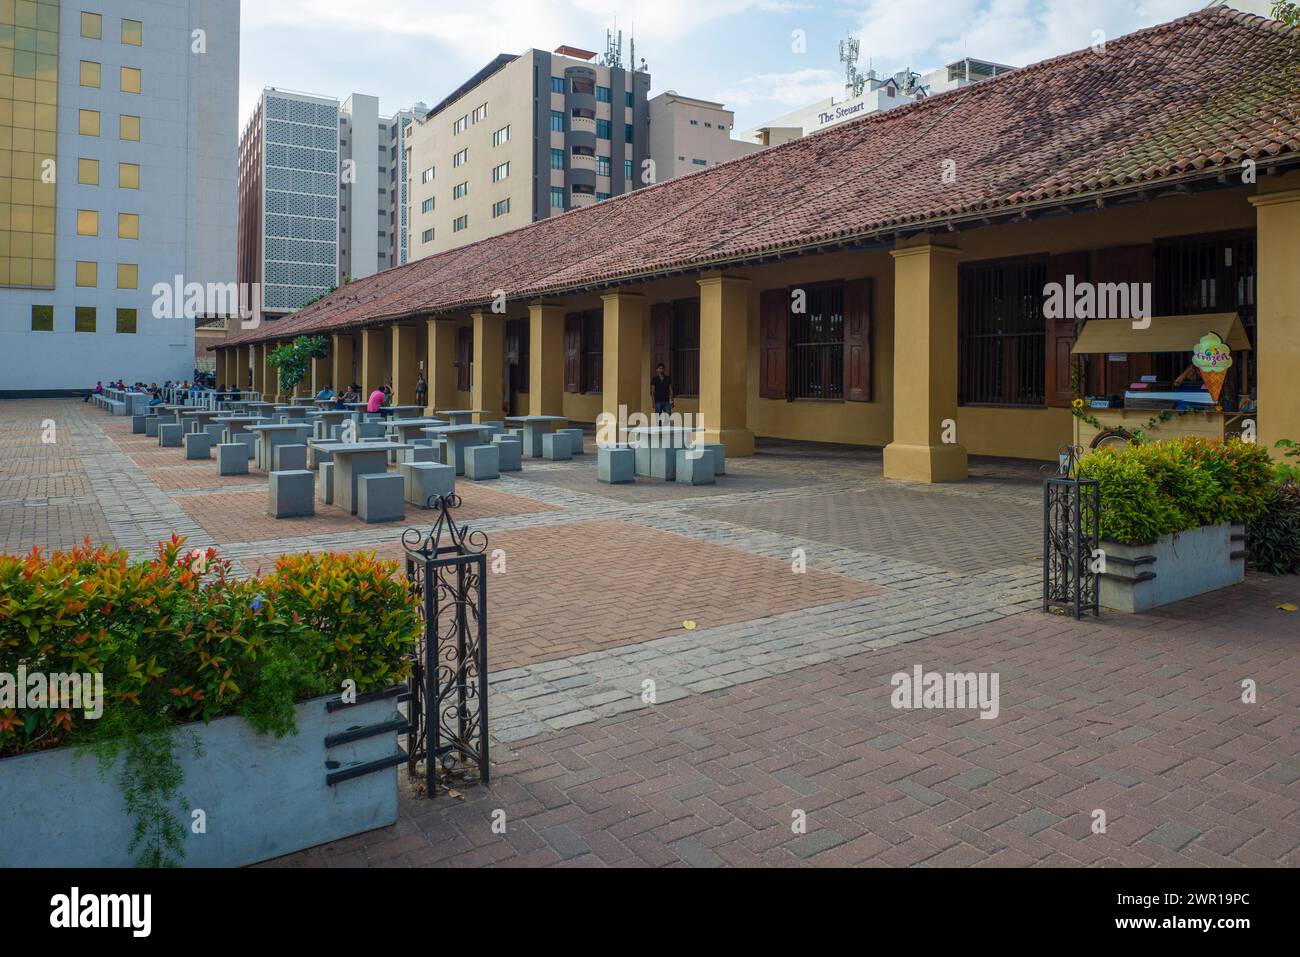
<point>120,159</point>
<point>689,134</point>
<point>867,94</point>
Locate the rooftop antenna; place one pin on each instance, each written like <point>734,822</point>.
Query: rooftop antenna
<point>613,47</point>
<point>853,80</point>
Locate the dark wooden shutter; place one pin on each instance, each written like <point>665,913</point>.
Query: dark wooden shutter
<point>1126,264</point>
<point>1061,333</point>
<point>857,340</point>
<point>774,312</point>
<point>465,357</point>
<point>573,352</point>
<point>661,320</point>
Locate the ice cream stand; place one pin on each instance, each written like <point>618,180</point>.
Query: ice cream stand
<point>1194,403</point>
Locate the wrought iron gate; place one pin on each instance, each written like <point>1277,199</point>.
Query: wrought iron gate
<point>1071,512</point>
<point>447,696</point>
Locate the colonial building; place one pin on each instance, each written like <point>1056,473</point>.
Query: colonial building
<point>883,283</point>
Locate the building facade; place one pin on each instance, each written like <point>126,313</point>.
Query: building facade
<point>689,134</point>
<point>112,192</point>
<point>526,138</point>
<point>871,94</point>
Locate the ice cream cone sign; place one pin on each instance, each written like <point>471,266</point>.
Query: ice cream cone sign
<point>1213,359</point>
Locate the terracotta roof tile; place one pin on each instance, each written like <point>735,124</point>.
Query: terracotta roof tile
<point>1196,95</point>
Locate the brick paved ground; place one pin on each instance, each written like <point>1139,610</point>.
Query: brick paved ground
<point>777,701</point>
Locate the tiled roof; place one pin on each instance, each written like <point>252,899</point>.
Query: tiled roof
<point>1188,98</point>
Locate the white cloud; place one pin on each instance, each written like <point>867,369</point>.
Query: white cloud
<point>788,90</point>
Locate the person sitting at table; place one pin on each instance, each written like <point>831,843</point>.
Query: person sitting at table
<point>325,393</point>
<point>376,401</point>
<point>98,390</point>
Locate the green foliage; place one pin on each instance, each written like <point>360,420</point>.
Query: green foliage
<point>1154,489</point>
<point>293,360</point>
<point>1288,11</point>
<point>1275,536</point>
<point>177,640</point>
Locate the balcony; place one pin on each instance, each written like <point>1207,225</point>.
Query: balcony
<point>582,200</point>
<point>582,161</point>
<point>582,124</point>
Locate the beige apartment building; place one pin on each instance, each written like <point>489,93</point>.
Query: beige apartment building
<point>688,135</point>
<point>526,138</point>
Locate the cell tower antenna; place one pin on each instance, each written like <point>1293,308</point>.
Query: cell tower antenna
<point>850,49</point>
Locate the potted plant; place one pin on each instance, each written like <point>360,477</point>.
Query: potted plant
<point>1173,517</point>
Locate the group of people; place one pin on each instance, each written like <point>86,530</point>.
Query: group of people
<point>380,400</point>
<point>154,392</point>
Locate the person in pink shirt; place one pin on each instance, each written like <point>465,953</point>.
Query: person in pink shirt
<point>376,401</point>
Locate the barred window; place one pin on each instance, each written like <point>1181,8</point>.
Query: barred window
<point>1001,333</point>
<point>817,345</point>
<point>684,347</point>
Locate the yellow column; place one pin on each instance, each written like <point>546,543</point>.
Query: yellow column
<point>925,446</point>
<point>241,367</point>
<point>321,373</point>
<point>546,359</point>
<point>220,372</point>
<point>623,384</point>
<point>439,367</point>
<point>341,367</point>
<point>406,363</point>
<point>489,363</point>
<point>255,358</point>
<point>1277,352</point>
<point>724,363</point>
<point>374,365</point>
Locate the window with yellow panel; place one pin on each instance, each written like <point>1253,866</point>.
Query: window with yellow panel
<point>88,172</point>
<point>85,319</point>
<point>128,276</point>
<point>87,222</point>
<point>89,122</point>
<point>126,321</point>
<point>132,32</point>
<point>128,226</point>
<point>128,128</point>
<point>130,79</point>
<point>42,318</point>
<point>92,26</point>
<point>87,275</point>
<point>128,175</point>
<point>90,73</point>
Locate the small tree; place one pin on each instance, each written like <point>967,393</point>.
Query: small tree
<point>1288,11</point>
<point>292,361</point>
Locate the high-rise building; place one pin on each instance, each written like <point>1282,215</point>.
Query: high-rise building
<point>398,129</point>
<point>525,138</point>
<point>118,186</point>
<point>320,192</point>
<point>688,135</point>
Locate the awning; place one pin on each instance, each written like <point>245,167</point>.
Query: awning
<point>1165,334</point>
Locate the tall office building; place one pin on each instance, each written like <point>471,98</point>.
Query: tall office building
<point>525,138</point>
<point>321,185</point>
<point>117,179</point>
<point>399,130</point>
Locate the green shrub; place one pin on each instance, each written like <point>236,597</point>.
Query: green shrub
<point>1157,488</point>
<point>177,639</point>
<point>1274,538</point>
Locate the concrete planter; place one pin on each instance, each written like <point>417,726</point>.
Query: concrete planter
<point>262,796</point>
<point>1177,566</point>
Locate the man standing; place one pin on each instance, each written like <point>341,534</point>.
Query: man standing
<point>661,391</point>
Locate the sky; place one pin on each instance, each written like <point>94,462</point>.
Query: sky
<point>744,53</point>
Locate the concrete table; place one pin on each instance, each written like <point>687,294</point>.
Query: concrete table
<point>202,417</point>
<point>461,416</point>
<point>353,459</point>
<point>301,400</point>
<point>240,423</point>
<point>273,435</point>
<point>172,413</point>
<point>459,438</point>
<point>535,426</point>
<point>260,408</point>
<point>404,411</point>
<point>406,429</point>
<point>296,412</point>
<point>662,442</point>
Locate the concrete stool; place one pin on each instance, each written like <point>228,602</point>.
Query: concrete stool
<point>615,465</point>
<point>169,436</point>
<point>292,494</point>
<point>694,467</point>
<point>575,440</point>
<point>482,463</point>
<point>512,452</point>
<point>198,445</point>
<point>719,456</point>
<point>138,424</point>
<point>494,428</point>
<point>247,439</point>
<point>379,498</point>
<point>325,485</point>
<point>555,446</point>
<point>215,430</point>
<point>657,463</point>
<point>425,480</point>
<point>317,456</point>
<point>232,458</point>
<point>421,453</point>
<point>371,430</point>
<point>289,458</point>
<point>151,423</point>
